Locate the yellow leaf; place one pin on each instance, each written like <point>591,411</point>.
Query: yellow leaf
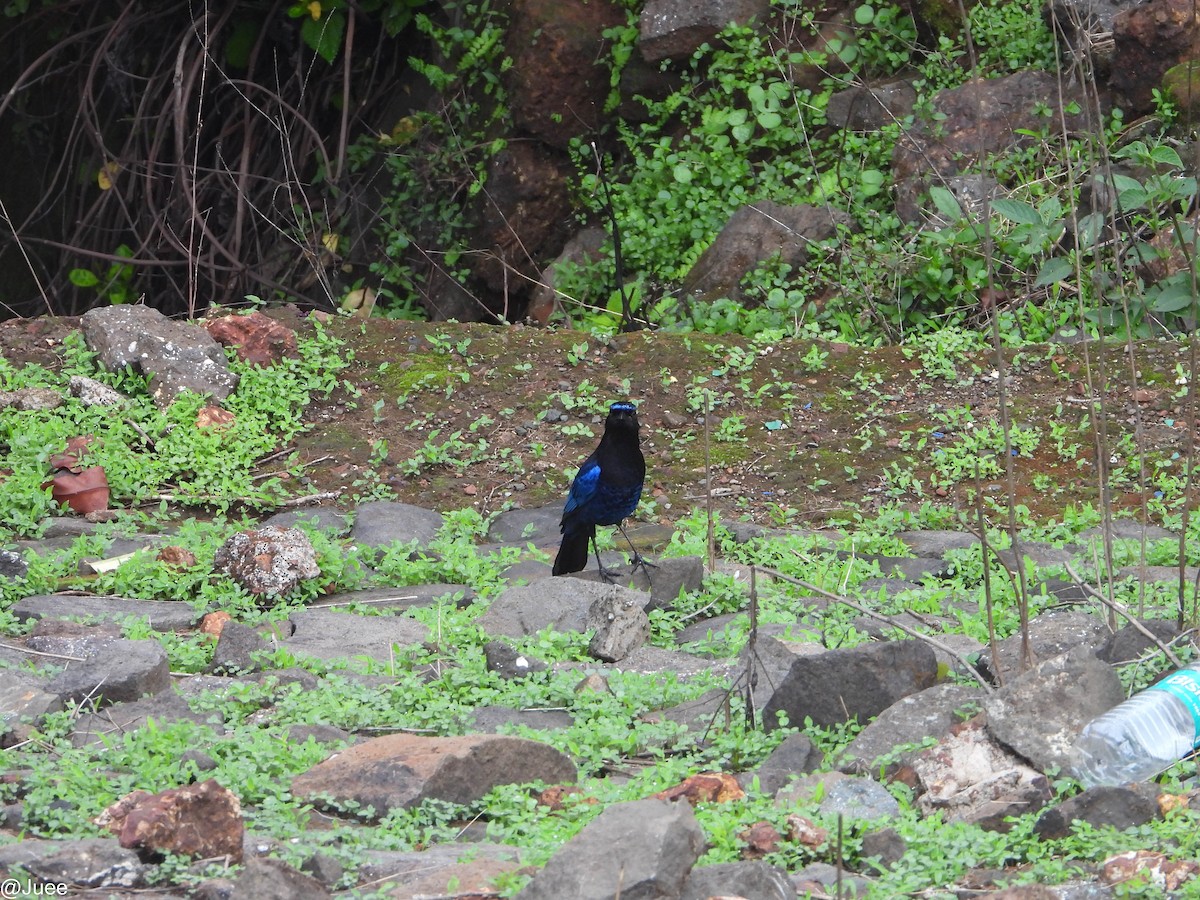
<point>314,10</point>
<point>330,242</point>
<point>359,303</point>
<point>107,175</point>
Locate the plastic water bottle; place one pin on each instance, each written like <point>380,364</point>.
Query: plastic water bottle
<point>1141,737</point>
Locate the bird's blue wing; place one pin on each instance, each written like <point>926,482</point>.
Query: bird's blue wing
<point>583,488</point>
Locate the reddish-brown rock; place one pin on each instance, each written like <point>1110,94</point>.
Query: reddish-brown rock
<point>203,821</point>
<point>258,339</point>
<point>400,771</point>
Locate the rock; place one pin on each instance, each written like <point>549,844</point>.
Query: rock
<point>854,797</point>
<point>869,108</point>
<point>1128,643</point>
<point>203,821</point>
<point>85,863</point>
<point>380,523</point>
<point>970,778</point>
<point>268,561</point>
<point>328,634</point>
<point>754,234</point>
<point>704,787</point>
<point>408,868</point>
<point>522,526</point>
<point>557,84</point>
<point>838,685</point>
<point>474,878</point>
<point>675,29</point>
<point>581,249</point>
<point>885,846</point>
<point>1052,633</point>
<point>12,565</point>
<point>644,848</point>
<point>124,670</point>
<point>94,393</point>
<point>795,755</point>
<point>162,615</point>
<point>1115,807</point>
<point>558,603</point>
<point>504,660</point>
<point>1081,22</point>
<point>265,879</point>
<point>63,637</point>
<point>1038,714</point>
<point>911,720</point>
<point>25,695</point>
<point>750,880</point>
<point>238,650</point>
<point>1148,39</point>
<point>400,771</point>
<point>410,596</point>
<point>671,576</point>
<point>258,339</point>
<point>490,719</point>
<point>619,624</point>
<point>176,356</point>
<point>164,708</point>
<point>824,880</point>
<point>31,399</point>
<point>980,117</point>
<point>327,521</point>
<point>321,734</point>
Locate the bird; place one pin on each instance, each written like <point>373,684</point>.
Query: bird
<point>605,491</point>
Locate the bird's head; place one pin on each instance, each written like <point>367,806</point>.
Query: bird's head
<point>622,415</point>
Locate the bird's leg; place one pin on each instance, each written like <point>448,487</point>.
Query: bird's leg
<point>608,576</point>
<point>638,560</point>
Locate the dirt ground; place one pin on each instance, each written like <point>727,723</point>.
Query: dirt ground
<point>484,416</point>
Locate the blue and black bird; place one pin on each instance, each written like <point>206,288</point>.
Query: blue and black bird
<point>605,491</point>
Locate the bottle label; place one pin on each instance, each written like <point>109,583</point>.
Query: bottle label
<point>1185,684</point>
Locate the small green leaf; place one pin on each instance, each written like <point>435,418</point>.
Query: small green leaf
<point>865,14</point>
<point>769,119</point>
<point>682,173</point>
<point>84,278</point>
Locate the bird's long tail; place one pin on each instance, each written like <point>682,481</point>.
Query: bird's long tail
<point>573,554</point>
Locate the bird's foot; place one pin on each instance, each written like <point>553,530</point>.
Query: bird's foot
<point>608,576</point>
<point>640,562</point>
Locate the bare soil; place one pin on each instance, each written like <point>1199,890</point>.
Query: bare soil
<point>818,442</point>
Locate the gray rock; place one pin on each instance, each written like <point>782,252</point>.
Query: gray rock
<point>674,29</point>
<point>12,565</point>
<point>268,561</point>
<point>910,721</point>
<point>85,863</point>
<point>504,660</point>
<point>1050,634</point>
<point>619,625</point>
<point>124,670</point>
<point>163,615</point>
<point>795,755</point>
<point>163,708</point>
<point>327,521</point>
<point>560,603</point>
<point>176,356</point>
<point>327,634</point>
<point>522,526</point>
<point>858,799</point>
<point>26,695</point>
<point>401,598</point>
<point>670,576</point>
<point>641,849</point>
<point>1039,713</point>
<point>885,846</point>
<point>649,660</point>
<point>406,867</point>
<point>401,771</point>
<point>491,719</point>
<point>238,650</point>
<point>1114,807</point>
<point>62,637</point>
<point>380,523</point>
<point>321,734</point>
<point>823,880</point>
<point>273,879</point>
<point>750,880</point>
<point>838,685</point>
<point>1128,643</point>
<point>94,393</point>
